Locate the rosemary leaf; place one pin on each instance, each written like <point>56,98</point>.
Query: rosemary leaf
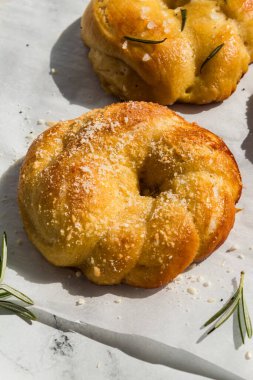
<point>150,42</point>
<point>16,293</point>
<point>3,257</point>
<point>246,315</point>
<point>7,291</point>
<point>19,310</point>
<point>211,55</point>
<point>222,310</point>
<point>226,311</point>
<point>4,294</point>
<point>184,16</point>
<point>226,316</point>
<point>239,315</point>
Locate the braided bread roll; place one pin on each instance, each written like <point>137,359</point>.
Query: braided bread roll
<point>130,193</point>
<point>178,69</point>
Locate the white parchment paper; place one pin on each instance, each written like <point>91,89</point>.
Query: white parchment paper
<point>161,326</point>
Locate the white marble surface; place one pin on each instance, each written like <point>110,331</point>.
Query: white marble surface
<point>44,353</point>
<point>160,327</point>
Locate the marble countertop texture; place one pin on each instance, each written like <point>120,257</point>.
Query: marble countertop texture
<point>42,352</point>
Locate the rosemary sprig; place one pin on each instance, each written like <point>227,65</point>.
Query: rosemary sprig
<point>150,42</point>
<point>246,316</point>
<point>3,258</point>
<point>240,321</point>
<point>7,291</point>
<point>237,302</point>
<point>211,55</point>
<point>184,16</point>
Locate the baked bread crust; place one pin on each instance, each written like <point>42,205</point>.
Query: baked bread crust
<point>129,193</point>
<point>169,71</point>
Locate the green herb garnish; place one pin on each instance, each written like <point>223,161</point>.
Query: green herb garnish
<point>237,302</point>
<point>184,16</point>
<point>211,55</point>
<point>7,291</point>
<point>151,42</point>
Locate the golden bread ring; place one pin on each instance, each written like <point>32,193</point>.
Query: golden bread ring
<point>130,193</point>
<point>176,69</point>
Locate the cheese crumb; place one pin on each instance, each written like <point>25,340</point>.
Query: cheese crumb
<point>240,257</point>
<point>78,273</point>
<point>96,271</point>
<point>144,11</point>
<point>146,57</point>
<point>192,291</point>
<point>117,301</point>
<point>125,45</point>
<point>207,284</point>
<point>248,355</point>
<point>53,71</point>
<point>211,300</point>
<point>151,25</point>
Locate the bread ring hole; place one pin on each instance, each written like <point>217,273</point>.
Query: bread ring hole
<point>156,169</point>
<point>148,190</point>
<point>148,187</point>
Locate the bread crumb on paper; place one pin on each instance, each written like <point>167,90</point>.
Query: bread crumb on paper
<point>53,71</point>
<point>78,274</point>
<point>233,248</point>
<point>207,284</point>
<point>192,291</point>
<point>80,301</point>
<point>41,122</point>
<point>200,279</point>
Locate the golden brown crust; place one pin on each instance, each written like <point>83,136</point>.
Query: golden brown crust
<point>170,71</point>
<point>129,193</point>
